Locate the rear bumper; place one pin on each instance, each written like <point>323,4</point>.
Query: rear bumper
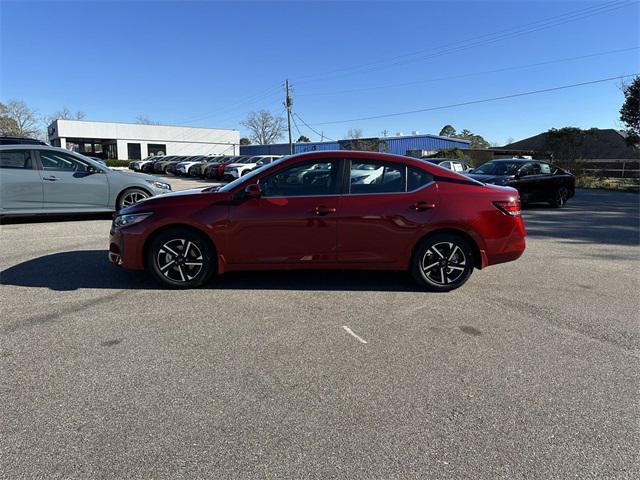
<point>508,248</point>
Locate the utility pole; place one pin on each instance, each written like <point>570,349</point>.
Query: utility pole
<point>288,103</point>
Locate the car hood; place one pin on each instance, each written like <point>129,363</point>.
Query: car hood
<point>190,198</point>
<point>137,176</point>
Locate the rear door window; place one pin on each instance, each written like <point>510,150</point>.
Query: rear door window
<point>545,169</point>
<point>417,178</point>
<point>19,159</point>
<point>368,177</point>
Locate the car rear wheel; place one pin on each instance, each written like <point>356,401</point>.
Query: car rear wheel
<point>131,196</point>
<point>181,258</point>
<point>560,198</point>
<point>442,262</point>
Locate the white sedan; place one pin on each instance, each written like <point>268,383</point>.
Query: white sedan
<point>236,170</point>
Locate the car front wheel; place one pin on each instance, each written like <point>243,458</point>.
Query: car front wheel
<point>442,262</point>
<point>131,196</point>
<point>180,258</point>
<point>560,198</point>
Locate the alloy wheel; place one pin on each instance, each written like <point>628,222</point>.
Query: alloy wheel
<point>180,260</point>
<point>131,198</point>
<point>561,197</point>
<point>443,263</point>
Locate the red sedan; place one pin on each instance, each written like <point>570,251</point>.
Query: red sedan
<point>325,210</point>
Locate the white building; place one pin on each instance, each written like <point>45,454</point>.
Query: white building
<point>131,141</point>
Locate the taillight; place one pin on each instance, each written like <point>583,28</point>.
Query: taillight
<point>509,207</point>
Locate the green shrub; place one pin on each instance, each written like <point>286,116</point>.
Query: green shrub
<point>117,163</point>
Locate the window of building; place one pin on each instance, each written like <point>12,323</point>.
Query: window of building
<point>133,151</point>
<point>156,149</point>
<point>376,177</point>
<point>15,159</point>
<point>303,179</point>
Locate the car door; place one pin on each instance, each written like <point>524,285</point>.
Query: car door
<point>525,181</point>
<point>378,221</point>
<point>20,181</point>
<point>70,183</point>
<point>293,222</point>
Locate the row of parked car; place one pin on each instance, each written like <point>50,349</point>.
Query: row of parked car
<point>220,167</point>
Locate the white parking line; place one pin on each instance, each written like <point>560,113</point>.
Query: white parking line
<point>350,332</point>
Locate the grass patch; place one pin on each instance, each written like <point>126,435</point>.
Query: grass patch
<point>618,184</point>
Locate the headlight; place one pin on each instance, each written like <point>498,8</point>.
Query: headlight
<point>160,185</point>
<point>126,220</point>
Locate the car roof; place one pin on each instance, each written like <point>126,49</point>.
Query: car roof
<point>14,140</point>
<point>382,157</point>
<point>25,146</point>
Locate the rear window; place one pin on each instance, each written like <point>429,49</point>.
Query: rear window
<point>20,159</point>
<point>417,178</point>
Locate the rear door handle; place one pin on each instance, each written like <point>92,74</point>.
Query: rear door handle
<point>52,178</point>
<point>422,206</point>
<point>323,210</point>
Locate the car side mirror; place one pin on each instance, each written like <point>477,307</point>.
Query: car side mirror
<point>253,190</point>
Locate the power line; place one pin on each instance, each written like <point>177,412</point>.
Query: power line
<point>473,102</point>
<point>465,75</point>
<point>489,38</point>
<point>321,135</point>
<point>234,106</point>
<point>295,124</point>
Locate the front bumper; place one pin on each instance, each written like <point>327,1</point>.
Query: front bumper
<point>125,248</point>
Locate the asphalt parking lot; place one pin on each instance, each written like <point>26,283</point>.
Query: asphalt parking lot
<point>528,371</point>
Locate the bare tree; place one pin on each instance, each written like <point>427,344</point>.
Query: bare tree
<point>264,128</point>
<point>64,114</point>
<point>144,120</point>
<point>16,118</point>
<point>354,133</point>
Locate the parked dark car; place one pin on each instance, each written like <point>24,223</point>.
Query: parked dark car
<point>451,164</point>
<point>321,210</point>
<point>216,170</point>
<point>535,180</point>
<point>198,168</point>
<point>172,166</point>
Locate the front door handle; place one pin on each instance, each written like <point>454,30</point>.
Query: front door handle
<point>422,206</point>
<point>52,178</point>
<point>322,210</point>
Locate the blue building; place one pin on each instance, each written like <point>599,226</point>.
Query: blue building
<point>413,145</point>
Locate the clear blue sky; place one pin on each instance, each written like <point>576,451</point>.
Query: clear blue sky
<point>209,63</point>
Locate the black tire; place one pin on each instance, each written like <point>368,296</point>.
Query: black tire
<point>442,262</point>
<point>131,196</point>
<point>181,258</point>
<point>560,197</point>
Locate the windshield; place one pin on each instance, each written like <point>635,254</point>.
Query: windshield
<point>498,168</point>
<point>247,177</point>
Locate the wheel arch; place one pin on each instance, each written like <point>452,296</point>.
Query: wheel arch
<point>172,226</point>
<point>477,255</point>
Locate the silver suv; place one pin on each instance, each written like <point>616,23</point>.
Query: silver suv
<point>37,179</point>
